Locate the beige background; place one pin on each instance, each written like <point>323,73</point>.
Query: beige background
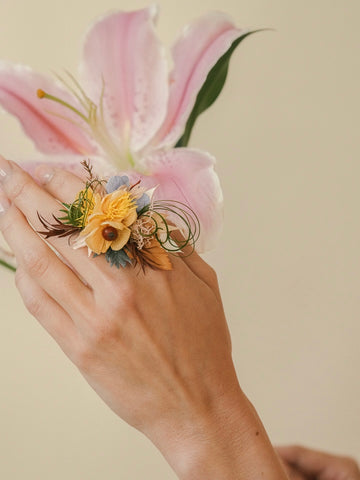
<point>285,132</point>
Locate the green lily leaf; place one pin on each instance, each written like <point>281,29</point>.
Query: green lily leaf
<point>211,89</point>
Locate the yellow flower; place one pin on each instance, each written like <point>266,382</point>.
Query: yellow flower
<point>108,224</point>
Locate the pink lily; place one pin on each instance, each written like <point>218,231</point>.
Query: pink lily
<point>133,112</point>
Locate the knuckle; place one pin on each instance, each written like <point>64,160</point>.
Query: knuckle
<point>211,277</point>
<point>102,334</point>
<point>19,278</point>
<point>6,225</point>
<point>33,305</point>
<point>83,357</point>
<point>212,274</point>
<point>123,297</point>
<point>19,187</point>
<point>59,179</point>
<point>35,263</point>
<point>127,296</point>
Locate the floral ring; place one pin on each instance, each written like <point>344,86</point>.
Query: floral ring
<point>122,221</point>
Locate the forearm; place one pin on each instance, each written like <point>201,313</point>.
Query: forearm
<point>227,442</point>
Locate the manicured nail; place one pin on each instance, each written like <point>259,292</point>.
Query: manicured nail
<point>44,173</point>
<point>4,204</point>
<point>4,168</point>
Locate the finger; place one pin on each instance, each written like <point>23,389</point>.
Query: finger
<point>294,474</point>
<point>197,265</point>
<point>30,198</point>
<point>40,262</point>
<point>306,460</point>
<point>60,183</point>
<point>48,313</point>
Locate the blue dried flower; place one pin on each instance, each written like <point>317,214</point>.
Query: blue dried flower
<point>116,182</point>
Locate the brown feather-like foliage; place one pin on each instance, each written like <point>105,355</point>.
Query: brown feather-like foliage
<point>153,256</point>
<point>57,229</point>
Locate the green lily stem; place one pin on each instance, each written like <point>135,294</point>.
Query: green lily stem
<point>7,265</point>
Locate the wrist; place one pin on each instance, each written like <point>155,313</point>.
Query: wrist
<point>224,440</point>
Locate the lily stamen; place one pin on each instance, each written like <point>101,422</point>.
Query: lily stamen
<point>96,124</point>
<point>42,94</point>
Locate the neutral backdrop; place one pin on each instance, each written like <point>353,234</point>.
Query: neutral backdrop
<point>285,132</point>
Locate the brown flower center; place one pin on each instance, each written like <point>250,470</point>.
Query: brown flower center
<point>110,233</point>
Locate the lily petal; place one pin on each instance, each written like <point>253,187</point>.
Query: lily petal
<point>51,134</point>
<point>123,55</point>
<point>188,176</point>
<point>195,53</point>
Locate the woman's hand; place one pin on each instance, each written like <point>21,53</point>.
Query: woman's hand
<point>306,464</point>
<point>155,346</point>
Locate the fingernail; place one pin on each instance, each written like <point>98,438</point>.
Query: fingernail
<point>4,168</point>
<point>44,173</point>
<point>4,204</point>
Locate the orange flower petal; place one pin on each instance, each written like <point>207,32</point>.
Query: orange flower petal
<point>122,239</point>
<point>97,243</point>
<point>156,256</point>
<point>131,218</point>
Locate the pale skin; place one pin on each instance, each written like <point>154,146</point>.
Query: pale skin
<point>154,346</point>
